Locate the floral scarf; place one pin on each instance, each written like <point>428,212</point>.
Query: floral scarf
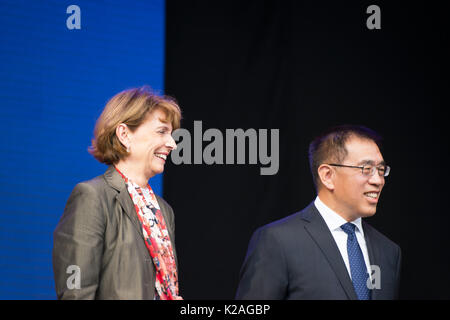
<point>156,239</point>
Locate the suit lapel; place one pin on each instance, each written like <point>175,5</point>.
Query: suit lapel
<point>373,251</point>
<point>114,179</point>
<point>320,233</point>
<point>128,207</point>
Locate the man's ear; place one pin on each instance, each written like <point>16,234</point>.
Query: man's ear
<point>122,133</point>
<point>326,175</point>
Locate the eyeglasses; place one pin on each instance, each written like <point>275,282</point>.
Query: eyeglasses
<point>367,170</point>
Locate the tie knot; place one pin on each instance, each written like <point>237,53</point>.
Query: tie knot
<point>349,228</point>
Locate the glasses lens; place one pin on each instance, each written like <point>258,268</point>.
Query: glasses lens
<point>368,170</point>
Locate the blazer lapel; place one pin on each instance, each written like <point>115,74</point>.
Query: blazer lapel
<point>319,231</point>
<point>114,179</point>
<point>373,251</point>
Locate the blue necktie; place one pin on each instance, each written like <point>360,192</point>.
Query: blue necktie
<point>358,268</point>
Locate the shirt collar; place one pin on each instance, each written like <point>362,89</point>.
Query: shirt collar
<point>333,220</point>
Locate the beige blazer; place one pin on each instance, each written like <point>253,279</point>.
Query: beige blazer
<point>99,240</point>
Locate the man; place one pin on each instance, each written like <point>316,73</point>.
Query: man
<point>326,251</point>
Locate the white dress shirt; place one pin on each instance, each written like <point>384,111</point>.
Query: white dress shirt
<point>334,222</point>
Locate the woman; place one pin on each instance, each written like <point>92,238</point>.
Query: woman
<point>115,239</point>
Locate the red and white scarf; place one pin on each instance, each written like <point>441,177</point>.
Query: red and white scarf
<point>156,238</point>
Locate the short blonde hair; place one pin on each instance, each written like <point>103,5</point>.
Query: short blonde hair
<point>130,107</point>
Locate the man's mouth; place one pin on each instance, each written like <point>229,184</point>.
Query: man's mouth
<point>372,196</point>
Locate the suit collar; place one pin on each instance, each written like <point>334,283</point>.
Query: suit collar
<point>320,233</point>
<point>333,219</point>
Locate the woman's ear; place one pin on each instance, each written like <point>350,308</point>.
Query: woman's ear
<point>326,175</point>
<point>122,133</point>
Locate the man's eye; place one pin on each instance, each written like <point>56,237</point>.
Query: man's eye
<point>367,170</point>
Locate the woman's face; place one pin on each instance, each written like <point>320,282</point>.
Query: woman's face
<point>151,144</point>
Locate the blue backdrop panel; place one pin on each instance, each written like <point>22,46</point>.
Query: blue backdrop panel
<point>54,84</point>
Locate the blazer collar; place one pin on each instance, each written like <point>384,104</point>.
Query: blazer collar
<point>114,179</point>
<point>320,233</point>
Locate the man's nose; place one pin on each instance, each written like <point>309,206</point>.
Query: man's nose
<point>377,179</point>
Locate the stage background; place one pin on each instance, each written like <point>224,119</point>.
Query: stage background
<point>54,85</point>
<point>298,66</point>
<point>302,66</point>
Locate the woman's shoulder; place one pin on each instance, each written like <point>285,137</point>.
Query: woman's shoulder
<point>92,195</point>
<point>97,186</point>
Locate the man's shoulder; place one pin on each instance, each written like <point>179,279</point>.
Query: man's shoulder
<point>286,232</point>
<point>293,222</point>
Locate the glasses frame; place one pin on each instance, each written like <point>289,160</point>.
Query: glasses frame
<point>387,169</point>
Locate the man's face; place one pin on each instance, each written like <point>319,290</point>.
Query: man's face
<point>357,195</point>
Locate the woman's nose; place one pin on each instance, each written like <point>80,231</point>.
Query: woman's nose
<point>171,143</point>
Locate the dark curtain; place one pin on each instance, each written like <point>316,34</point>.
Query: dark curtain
<point>300,67</point>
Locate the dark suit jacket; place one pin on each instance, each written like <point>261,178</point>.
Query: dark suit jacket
<point>298,258</point>
<point>100,233</point>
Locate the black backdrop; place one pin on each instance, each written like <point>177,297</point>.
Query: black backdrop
<point>301,67</point>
